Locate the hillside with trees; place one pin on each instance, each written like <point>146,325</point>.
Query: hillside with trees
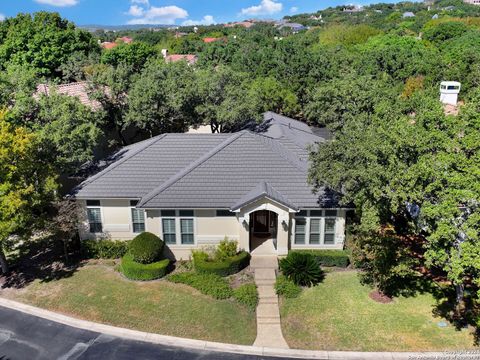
<point>370,75</point>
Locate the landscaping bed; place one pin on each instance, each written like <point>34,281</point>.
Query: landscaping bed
<point>338,314</point>
<point>98,293</point>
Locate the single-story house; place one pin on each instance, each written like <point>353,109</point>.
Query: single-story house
<point>194,190</point>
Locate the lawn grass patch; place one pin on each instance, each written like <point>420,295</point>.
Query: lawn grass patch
<point>338,314</point>
<point>208,284</point>
<point>98,293</point>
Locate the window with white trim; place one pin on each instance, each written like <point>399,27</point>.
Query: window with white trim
<point>300,227</point>
<point>329,232</point>
<point>315,227</point>
<point>94,215</point>
<point>180,222</point>
<point>186,227</point>
<point>138,217</point>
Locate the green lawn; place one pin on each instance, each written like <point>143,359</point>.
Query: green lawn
<point>339,315</point>
<point>100,294</point>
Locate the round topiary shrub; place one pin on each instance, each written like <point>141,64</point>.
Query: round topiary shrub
<point>146,248</point>
<point>144,272</point>
<point>302,269</point>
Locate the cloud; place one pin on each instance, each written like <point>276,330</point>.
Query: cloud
<point>207,20</point>
<point>157,15</point>
<point>266,7</point>
<point>136,11</point>
<point>59,3</point>
<point>294,9</point>
<point>2,17</point>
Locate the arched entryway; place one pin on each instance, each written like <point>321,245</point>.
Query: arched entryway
<point>263,232</point>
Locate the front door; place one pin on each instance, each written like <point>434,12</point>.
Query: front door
<point>261,222</point>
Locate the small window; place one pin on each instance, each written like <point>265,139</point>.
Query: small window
<point>225,213</point>
<point>186,228</point>
<point>133,202</point>
<point>169,235</point>
<point>168,213</point>
<point>331,213</point>
<point>95,220</point>
<point>93,202</point>
<point>138,220</point>
<point>329,234</point>
<point>315,231</point>
<point>316,213</point>
<point>300,227</point>
<point>186,212</point>
<point>301,213</point>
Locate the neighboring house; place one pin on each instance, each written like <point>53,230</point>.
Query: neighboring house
<point>293,27</point>
<point>194,190</point>
<point>77,89</point>
<point>246,24</point>
<point>125,39</point>
<point>472,2</point>
<point>189,58</point>
<point>110,45</point>
<point>209,40</point>
<point>408,14</point>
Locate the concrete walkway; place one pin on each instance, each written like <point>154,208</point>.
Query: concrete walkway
<point>269,330</point>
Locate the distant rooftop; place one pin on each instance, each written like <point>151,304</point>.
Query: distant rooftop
<point>77,89</point>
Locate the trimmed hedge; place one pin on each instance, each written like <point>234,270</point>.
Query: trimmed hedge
<point>208,284</point>
<point>136,271</point>
<point>339,258</point>
<point>287,288</point>
<point>226,267</point>
<point>146,248</point>
<point>247,294</point>
<point>103,249</point>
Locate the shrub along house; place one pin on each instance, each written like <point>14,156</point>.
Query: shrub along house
<point>194,190</point>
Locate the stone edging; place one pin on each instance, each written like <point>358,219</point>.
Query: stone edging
<point>208,345</point>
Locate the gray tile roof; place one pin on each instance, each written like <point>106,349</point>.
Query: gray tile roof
<point>263,189</point>
<point>214,170</point>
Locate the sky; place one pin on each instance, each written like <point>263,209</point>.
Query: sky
<point>178,12</point>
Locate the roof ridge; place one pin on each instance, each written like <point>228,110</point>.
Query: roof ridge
<point>267,191</point>
<point>192,166</point>
<point>282,151</point>
<point>121,161</point>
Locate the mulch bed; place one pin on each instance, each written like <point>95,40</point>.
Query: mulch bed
<point>379,297</point>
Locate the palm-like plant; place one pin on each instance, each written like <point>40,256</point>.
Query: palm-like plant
<point>302,269</point>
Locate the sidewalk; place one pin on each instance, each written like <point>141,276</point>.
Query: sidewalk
<point>269,329</point>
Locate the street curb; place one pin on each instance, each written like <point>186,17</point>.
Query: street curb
<point>209,345</point>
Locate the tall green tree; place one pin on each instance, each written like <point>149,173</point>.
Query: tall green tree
<point>27,184</point>
<point>224,101</point>
<point>163,98</point>
<point>43,41</point>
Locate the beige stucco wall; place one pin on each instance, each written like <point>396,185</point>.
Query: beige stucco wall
<point>209,229</point>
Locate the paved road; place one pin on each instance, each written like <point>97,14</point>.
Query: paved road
<point>26,337</point>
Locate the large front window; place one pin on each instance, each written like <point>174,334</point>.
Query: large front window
<point>179,222</point>
<point>315,227</point>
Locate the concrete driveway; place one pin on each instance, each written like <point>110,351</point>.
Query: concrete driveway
<point>25,337</point>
